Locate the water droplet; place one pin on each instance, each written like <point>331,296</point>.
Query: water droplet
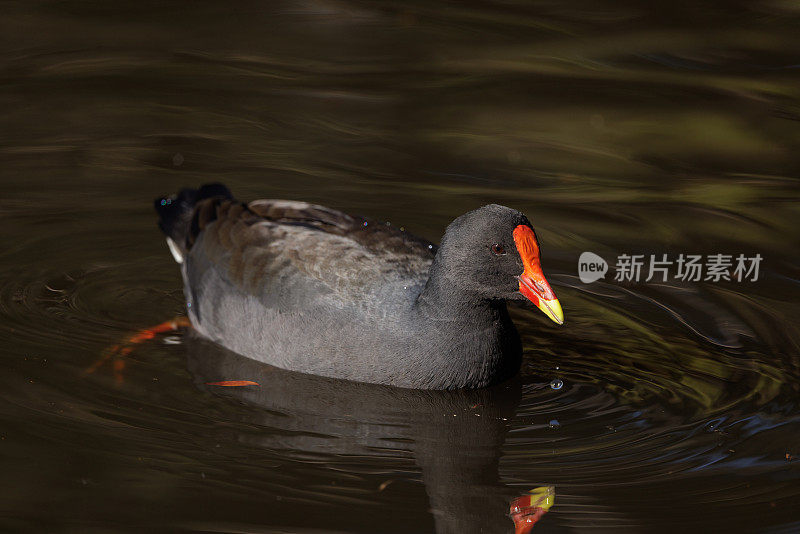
<point>430,247</point>
<point>557,383</point>
<point>188,304</point>
<point>177,159</point>
<point>365,223</point>
<point>554,423</point>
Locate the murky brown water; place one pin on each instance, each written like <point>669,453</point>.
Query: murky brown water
<point>619,128</point>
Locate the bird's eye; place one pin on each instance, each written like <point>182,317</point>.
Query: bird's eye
<point>498,250</point>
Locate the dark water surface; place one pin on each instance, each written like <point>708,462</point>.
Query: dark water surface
<point>618,128</point>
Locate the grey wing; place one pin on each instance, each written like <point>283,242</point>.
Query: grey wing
<point>292,254</point>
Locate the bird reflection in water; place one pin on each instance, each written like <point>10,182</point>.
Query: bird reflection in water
<point>528,509</point>
<point>454,437</point>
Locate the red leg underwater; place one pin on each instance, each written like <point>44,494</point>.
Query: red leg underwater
<point>118,352</point>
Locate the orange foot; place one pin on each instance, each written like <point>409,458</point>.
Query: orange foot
<point>118,352</point>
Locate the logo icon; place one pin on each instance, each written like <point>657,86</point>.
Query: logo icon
<point>591,267</point>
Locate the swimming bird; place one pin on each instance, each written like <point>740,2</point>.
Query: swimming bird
<point>311,289</point>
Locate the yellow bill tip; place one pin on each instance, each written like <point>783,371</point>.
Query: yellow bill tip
<point>552,309</point>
